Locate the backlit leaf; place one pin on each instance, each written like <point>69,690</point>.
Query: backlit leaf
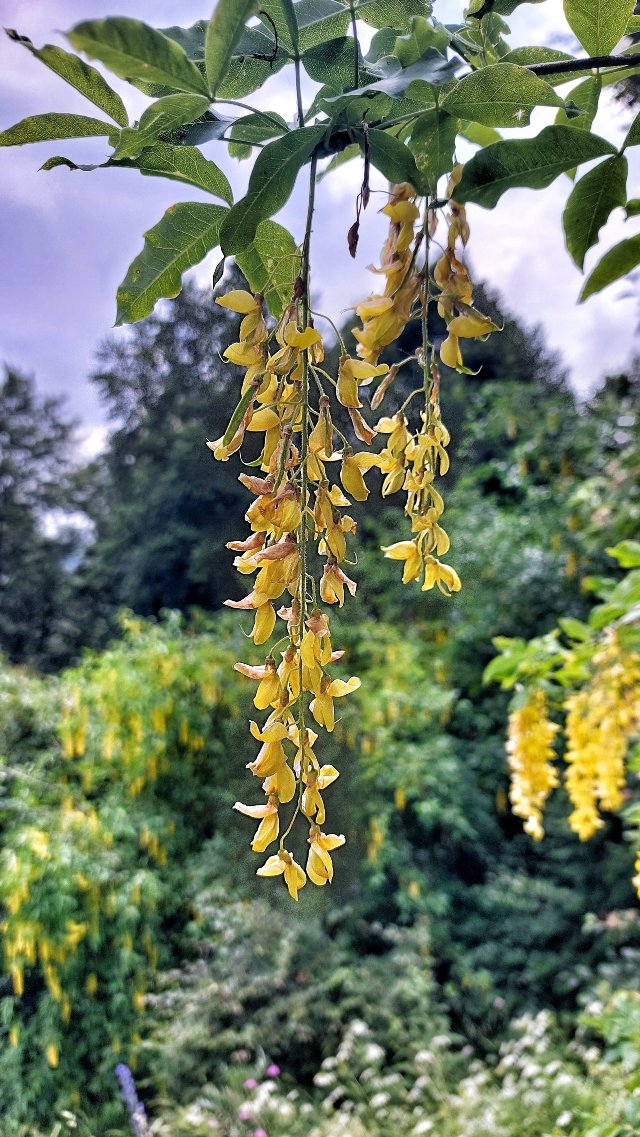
<point>332,62</point>
<point>133,50</point>
<point>501,95</point>
<point>433,141</point>
<point>184,164</point>
<point>224,31</point>
<point>271,257</point>
<point>393,13</point>
<point>595,196</point>
<point>393,159</point>
<point>272,180</point>
<point>531,162</point>
<point>164,115</point>
<point>47,127</point>
<point>184,236</point>
<point>586,96</point>
<point>529,56</point>
<point>633,134</point>
<point>598,24</point>
<point>620,260</point>
<point>80,75</point>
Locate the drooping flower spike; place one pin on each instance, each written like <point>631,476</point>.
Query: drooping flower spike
<point>303,490</point>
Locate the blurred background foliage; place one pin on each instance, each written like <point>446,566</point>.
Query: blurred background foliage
<point>134,928</point>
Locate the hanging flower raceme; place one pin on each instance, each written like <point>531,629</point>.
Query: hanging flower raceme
<point>303,488</point>
<point>385,315</point>
<point>530,757</point>
<point>601,718</point>
<point>456,291</point>
<point>274,402</point>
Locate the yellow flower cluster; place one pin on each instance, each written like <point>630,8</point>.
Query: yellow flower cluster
<point>601,718</point>
<point>456,290</point>
<point>385,316</point>
<point>530,757</point>
<point>293,502</point>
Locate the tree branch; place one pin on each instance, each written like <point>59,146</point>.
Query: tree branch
<point>568,65</point>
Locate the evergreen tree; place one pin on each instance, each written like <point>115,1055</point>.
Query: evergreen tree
<point>42,619</point>
<point>166,508</point>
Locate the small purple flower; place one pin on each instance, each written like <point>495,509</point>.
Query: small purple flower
<point>250,1084</point>
<point>467,1051</point>
<point>135,1108</point>
<point>498,1002</point>
<point>244,1114</point>
<point>260,1133</point>
<point>273,1072</point>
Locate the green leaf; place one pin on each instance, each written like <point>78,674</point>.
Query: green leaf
<point>433,141</point>
<point>246,75</point>
<point>410,48</point>
<point>620,260</point>
<point>209,127</point>
<point>133,50</point>
<point>270,185</point>
<point>586,96</point>
<point>184,236</point>
<point>633,134</point>
<point>506,7</point>
<point>575,629</point>
<point>291,21</point>
<point>393,159</point>
<point>590,203</point>
<point>164,115</point>
<point>80,75</point>
<point>47,127</point>
<point>191,39</point>
<point>184,164</point>
<point>332,62</point>
<point>632,208</point>
<point>382,43</point>
<point>480,135</point>
<point>257,128</point>
<point>501,95</point>
<point>531,162</point>
<point>240,150</point>
<point>271,257</point>
<point>393,13</point>
<point>224,31</point>
<point>598,24</point>
<point>317,21</point>
<point>527,56</point>
<point>627,553</point>
<point>434,68</point>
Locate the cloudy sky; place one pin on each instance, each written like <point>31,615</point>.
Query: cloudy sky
<point>67,238</point>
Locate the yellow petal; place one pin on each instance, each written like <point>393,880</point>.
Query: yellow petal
<point>264,419</point>
<point>238,301</point>
<point>272,867</point>
<point>339,687</point>
<point>470,326</point>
